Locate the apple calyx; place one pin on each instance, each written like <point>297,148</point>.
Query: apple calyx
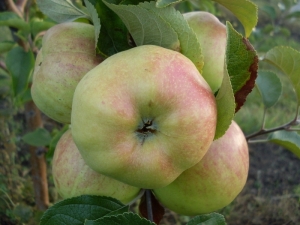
<point>146,129</point>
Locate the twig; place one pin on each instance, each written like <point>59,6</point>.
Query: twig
<point>12,7</point>
<point>257,141</point>
<point>286,127</point>
<point>3,66</point>
<point>21,5</point>
<point>267,131</point>
<point>285,197</point>
<point>293,129</point>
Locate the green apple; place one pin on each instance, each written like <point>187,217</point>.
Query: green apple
<point>211,34</point>
<point>212,183</point>
<point>67,54</point>
<point>143,116</point>
<point>72,177</point>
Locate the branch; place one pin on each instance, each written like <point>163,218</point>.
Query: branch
<point>286,127</point>
<point>37,159</point>
<point>257,141</point>
<point>21,5</point>
<point>267,131</point>
<point>12,7</point>
<point>3,66</point>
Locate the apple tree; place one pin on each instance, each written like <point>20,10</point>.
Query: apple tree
<point>20,41</point>
<point>149,95</point>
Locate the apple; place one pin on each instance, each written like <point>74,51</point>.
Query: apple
<point>67,54</point>
<point>72,177</point>
<point>211,34</point>
<point>212,183</point>
<point>143,116</point>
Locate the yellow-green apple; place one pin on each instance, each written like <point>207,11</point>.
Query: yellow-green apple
<point>67,54</point>
<point>213,182</point>
<point>211,34</point>
<point>72,177</point>
<point>143,116</point>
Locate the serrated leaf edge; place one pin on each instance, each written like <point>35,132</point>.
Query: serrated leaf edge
<point>129,214</point>
<point>65,202</point>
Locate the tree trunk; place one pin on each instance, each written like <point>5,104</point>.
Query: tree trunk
<point>37,159</point>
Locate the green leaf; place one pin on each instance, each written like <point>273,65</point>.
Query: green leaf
<point>39,137</point>
<point>287,139</point>
<point>124,209</point>
<point>203,5</point>
<point>20,65</point>
<point>114,36</point>
<point>270,10</point>
<point>5,46</point>
<point>207,5</point>
<point>5,83</point>
<point>113,213</point>
<point>122,219</point>
<point>294,11</point>
<point>270,88</point>
<point>164,27</point>
<point>238,60</point>
<point>54,141</point>
<point>77,210</point>
<point>225,106</point>
<point>25,97</point>
<point>38,26</point>
<point>208,219</point>
<point>61,10</point>
<point>95,19</point>
<point>6,16</point>
<point>164,3</point>
<point>189,44</point>
<point>244,10</point>
<point>11,19</point>
<point>145,26</point>
<point>23,212</point>
<point>293,15</point>
<point>242,65</point>
<point>288,61</point>
<point>238,81</point>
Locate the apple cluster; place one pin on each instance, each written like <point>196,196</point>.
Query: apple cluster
<point>144,118</point>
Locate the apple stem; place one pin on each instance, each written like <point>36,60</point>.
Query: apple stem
<point>149,205</point>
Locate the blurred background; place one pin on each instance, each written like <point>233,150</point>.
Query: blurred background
<point>28,138</point>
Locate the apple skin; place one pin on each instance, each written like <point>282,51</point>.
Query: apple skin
<point>211,34</point>
<point>72,177</point>
<point>67,54</point>
<point>214,182</point>
<point>143,116</point>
